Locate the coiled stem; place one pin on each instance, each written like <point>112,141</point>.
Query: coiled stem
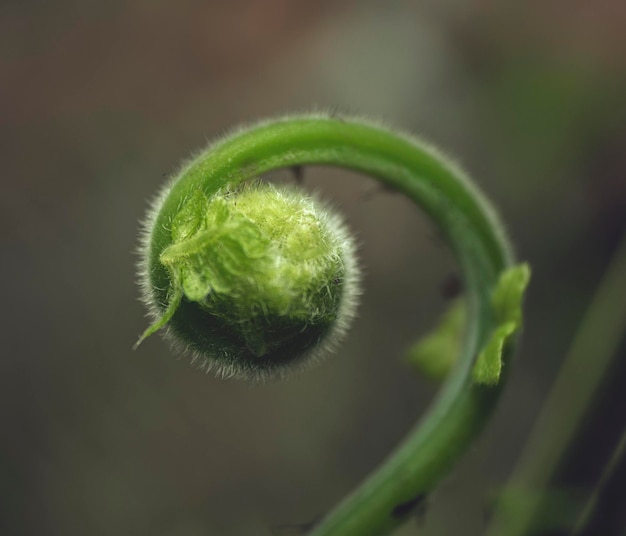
<point>493,285</point>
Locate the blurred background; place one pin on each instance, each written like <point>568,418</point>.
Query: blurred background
<point>99,103</point>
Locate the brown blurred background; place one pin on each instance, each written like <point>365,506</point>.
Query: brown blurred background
<point>101,100</point>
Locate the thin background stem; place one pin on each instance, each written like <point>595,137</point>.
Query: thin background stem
<point>565,408</point>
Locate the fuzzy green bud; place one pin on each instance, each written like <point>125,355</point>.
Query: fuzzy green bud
<point>269,274</point>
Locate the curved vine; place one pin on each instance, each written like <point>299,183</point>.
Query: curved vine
<point>494,287</point>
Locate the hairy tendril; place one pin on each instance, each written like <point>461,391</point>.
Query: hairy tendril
<point>254,280</point>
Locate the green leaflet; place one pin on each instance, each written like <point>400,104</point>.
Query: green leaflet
<point>509,293</point>
<point>214,248</point>
<point>489,363</point>
<point>172,304</point>
<point>188,223</point>
<point>435,354</point>
<point>190,219</point>
<point>507,301</point>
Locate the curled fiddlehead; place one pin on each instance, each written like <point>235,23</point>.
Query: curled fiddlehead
<point>252,280</point>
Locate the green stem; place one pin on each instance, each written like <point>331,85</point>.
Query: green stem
<point>470,226</point>
<point>592,502</point>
